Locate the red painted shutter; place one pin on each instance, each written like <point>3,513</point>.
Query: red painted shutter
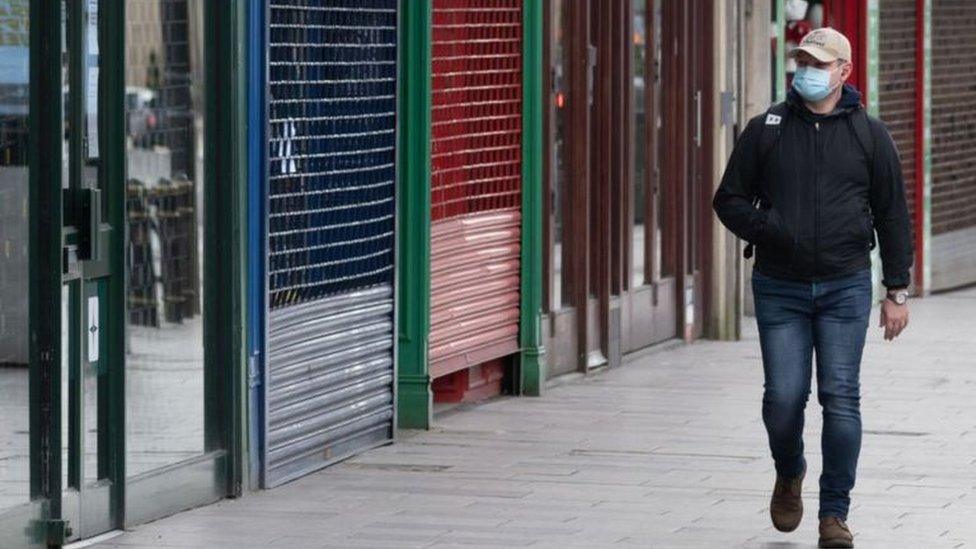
<point>476,168</point>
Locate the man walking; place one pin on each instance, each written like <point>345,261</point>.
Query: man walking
<point>807,186</point>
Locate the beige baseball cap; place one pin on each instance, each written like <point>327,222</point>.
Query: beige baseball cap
<point>826,44</point>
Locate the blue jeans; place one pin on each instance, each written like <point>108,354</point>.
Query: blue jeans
<point>794,319</point>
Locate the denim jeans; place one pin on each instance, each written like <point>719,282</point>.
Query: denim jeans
<point>795,319</point>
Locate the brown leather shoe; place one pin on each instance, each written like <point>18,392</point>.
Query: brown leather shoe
<point>786,505</point>
<point>835,533</point>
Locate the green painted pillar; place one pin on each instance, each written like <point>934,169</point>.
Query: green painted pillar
<point>779,79</point>
<point>533,371</point>
<point>414,397</point>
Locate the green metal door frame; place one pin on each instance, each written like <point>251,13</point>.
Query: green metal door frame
<point>119,501</point>
<point>414,397</point>
<point>220,470</point>
<point>225,281</point>
<point>44,249</point>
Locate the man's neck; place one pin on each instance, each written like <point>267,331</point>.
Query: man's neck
<point>827,104</point>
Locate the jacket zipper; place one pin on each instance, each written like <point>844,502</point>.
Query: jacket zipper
<point>816,198</point>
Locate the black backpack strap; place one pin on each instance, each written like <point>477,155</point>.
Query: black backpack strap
<point>865,138</point>
<point>862,131</point>
<point>772,128</point>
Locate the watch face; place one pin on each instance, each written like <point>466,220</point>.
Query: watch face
<point>899,297</point>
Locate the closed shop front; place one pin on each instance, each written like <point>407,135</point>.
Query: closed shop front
<point>476,185</point>
<point>953,130</point>
<point>331,202</point>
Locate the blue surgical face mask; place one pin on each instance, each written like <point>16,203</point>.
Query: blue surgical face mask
<point>811,83</point>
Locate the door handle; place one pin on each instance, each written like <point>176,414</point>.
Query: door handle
<point>83,211</point>
<point>590,68</point>
<point>698,118</point>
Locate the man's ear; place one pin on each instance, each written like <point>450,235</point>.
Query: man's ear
<point>846,71</point>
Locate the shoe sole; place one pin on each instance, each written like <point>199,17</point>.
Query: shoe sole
<point>837,543</point>
<point>788,528</point>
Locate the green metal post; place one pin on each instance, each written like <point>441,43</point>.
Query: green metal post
<point>44,248</point>
<point>533,371</point>
<point>779,79</point>
<point>111,124</point>
<point>225,203</point>
<point>414,398</point>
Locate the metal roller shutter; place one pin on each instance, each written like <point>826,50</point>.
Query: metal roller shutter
<point>953,253</point>
<point>476,182</point>
<point>330,335</point>
<point>897,92</point>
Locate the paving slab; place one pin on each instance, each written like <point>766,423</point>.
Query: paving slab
<point>667,451</point>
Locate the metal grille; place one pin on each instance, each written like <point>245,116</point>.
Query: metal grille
<point>953,116</point>
<point>333,83</point>
<point>477,106</point>
<point>897,83</point>
<point>331,204</point>
<point>475,181</point>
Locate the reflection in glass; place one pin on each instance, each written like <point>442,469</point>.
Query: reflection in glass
<point>14,394</point>
<point>661,262</point>
<point>164,123</point>
<point>560,160</point>
<point>640,82</point>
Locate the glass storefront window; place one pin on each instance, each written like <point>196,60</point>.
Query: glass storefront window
<point>164,126</point>
<point>14,393</point>
<point>560,161</point>
<point>639,139</point>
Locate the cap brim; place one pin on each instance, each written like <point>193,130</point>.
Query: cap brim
<point>818,53</point>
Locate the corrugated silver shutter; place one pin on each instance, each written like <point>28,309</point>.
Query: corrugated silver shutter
<point>330,335</point>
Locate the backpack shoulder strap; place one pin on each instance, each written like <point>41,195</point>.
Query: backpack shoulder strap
<point>865,138</point>
<point>862,131</point>
<point>772,128</point>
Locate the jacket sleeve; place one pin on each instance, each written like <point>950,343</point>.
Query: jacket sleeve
<point>734,197</point>
<point>890,209</point>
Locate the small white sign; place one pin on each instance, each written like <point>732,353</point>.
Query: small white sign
<point>93,329</point>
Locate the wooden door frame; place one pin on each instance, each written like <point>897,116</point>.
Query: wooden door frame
<point>686,60</point>
<point>646,317</point>
<point>576,245</point>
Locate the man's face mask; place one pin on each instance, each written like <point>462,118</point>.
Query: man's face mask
<point>813,84</point>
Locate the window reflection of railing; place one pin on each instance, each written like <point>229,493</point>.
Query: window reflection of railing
<point>162,251</point>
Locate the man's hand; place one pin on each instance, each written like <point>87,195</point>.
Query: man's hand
<point>894,318</point>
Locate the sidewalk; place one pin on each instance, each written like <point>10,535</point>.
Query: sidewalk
<point>667,451</point>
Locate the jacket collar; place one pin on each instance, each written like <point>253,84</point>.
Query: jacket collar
<point>850,101</point>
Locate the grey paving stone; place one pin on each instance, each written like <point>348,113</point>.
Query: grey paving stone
<point>667,451</point>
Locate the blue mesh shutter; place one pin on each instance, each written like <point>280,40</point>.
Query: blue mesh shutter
<point>330,374</point>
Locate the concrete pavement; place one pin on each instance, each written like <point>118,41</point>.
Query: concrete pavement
<point>667,451</point>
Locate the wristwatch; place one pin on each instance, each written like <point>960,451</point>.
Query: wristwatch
<point>899,296</point>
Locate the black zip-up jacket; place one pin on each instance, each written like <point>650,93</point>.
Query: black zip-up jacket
<point>819,199</point>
